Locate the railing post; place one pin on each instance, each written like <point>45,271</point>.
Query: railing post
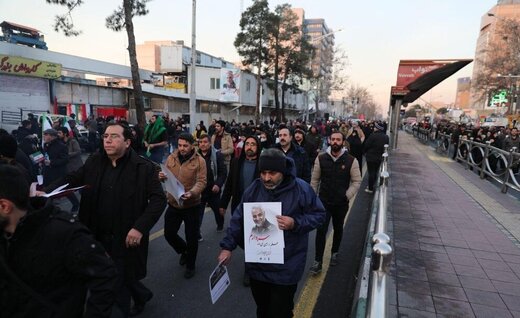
<point>468,150</point>
<point>483,163</point>
<point>508,169</point>
<point>449,145</point>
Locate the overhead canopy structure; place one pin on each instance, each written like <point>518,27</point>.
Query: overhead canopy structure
<point>414,78</point>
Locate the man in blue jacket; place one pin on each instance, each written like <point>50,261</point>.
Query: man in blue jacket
<point>274,285</point>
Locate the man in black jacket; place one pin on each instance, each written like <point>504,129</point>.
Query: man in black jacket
<point>56,157</point>
<point>336,179</point>
<point>48,261</point>
<point>120,205</point>
<point>297,153</point>
<point>242,172</point>
<point>216,174</point>
<point>373,149</point>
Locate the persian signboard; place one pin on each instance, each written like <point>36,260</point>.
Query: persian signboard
<point>15,65</point>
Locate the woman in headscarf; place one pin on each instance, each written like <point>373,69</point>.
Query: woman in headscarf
<point>199,132</point>
<point>155,139</point>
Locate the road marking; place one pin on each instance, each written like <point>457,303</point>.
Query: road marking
<point>155,235</point>
<point>311,290</point>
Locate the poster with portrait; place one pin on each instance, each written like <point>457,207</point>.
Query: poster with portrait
<point>263,240</point>
<point>229,85</point>
<point>218,282</point>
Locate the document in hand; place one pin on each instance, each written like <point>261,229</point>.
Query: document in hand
<point>173,185</point>
<point>61,191</point>
<point>218,282</point>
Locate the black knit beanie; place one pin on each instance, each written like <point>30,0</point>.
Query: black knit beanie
<point>272,159</point>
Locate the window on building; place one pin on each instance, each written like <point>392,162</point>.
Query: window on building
<point>198,58</point>
<point>248,85</point>
<point>214,83</point>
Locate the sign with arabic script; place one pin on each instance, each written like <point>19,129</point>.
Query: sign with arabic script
<point>15,65</point>
<point>409,71</point>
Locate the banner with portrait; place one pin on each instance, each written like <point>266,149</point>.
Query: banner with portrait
<point>229,85</point>
<point>263,240</point>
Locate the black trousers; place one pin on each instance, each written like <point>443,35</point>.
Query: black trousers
<point>373,169</point>
<point>172,222</point>
<point>140,293</point>
<point>273,301</point>
<point>337,213</point>
<point>213,201</point>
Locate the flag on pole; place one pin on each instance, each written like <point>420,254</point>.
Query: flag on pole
<point>46,124</point>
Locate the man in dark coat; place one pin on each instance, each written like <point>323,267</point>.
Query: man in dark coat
<point>216,174</point>
<point>48,261</point>
<point>120,205</point>
<point>373,149</point>
<point>243,170</point>
<point>297,153</point>
<point>273,285</point>
<point>56,157</point>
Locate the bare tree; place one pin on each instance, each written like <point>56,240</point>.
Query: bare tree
<point>501,57</point>
<point>119,19</point>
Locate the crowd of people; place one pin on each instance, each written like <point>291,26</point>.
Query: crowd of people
<point>50,259</point>
<point>505,138</point>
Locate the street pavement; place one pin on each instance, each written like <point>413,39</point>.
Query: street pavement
<point>456,239</point>
<point>329,294</point>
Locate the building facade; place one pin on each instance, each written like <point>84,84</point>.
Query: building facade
<point>488,40</point>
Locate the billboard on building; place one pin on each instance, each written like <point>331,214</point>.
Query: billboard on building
<point>15,65</point>
<point>229,85</point>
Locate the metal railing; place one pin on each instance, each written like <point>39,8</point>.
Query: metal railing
<point>372,293</point>
<point>488,161</point>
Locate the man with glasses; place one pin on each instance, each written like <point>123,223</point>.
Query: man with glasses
<point>242,172</point>
<point>120,204</point>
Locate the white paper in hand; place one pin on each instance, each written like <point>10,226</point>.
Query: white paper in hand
<point>218,282</point>
<point>172,185</point>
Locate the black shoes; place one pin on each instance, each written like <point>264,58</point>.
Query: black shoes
<point>315,268</point>
<point>182,260</point>
<point>189,273</point>
<point>139,308</point>
<point>334,259</point>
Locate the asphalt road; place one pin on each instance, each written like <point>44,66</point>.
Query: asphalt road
<point>329,295</point>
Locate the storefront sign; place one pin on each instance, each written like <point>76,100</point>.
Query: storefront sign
<point>15,65</point>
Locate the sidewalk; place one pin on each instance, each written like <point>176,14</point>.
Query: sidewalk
<point>455,237</point>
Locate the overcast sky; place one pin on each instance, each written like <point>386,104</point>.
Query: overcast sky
<point>376,34</point>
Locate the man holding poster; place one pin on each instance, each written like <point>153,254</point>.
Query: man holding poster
<point>273,284</point>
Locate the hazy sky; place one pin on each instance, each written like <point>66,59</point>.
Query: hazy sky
<point>376,34</point>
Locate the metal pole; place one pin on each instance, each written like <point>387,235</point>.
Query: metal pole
<point>193,96</point>
<point>394,120</point>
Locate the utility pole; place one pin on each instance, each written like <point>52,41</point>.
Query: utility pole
<point>193,96</point>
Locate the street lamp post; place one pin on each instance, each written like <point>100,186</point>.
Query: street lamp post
<point>193,96</point>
